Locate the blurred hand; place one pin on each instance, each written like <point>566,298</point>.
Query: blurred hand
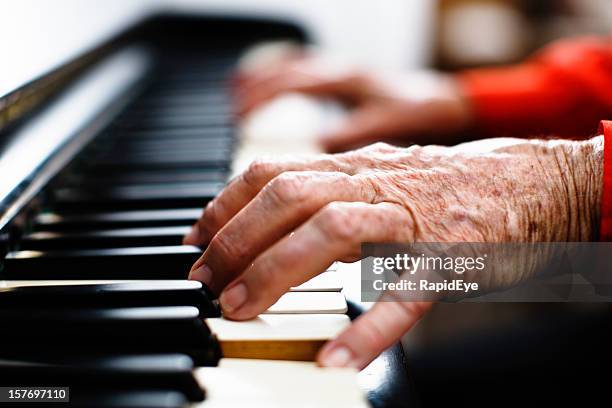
<point>282,222</point>
<point>416,107</point>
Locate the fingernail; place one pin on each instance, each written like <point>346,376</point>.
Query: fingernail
<point>193,237</point>
<point>338,357</point>
<point>234,297</point>
<point>202,274</point>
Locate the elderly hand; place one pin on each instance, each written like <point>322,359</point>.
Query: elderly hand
<point>282,222</point>
<point>417,107</point>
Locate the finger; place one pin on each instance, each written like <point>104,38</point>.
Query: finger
<point>372,333</point>
<point>366,125</point>
<point>245,187</point>
<point>334,232</point>
<point>281,206</point>
<point>256,95</point>
<point>263,68</point>
<point>232,198</point>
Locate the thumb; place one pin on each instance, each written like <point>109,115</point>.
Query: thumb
<point>372,333</point>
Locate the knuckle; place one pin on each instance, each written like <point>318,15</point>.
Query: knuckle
<point>224,247</point>
<point>270,288</point>
<point>417,148</point>
<point>258,171</point>
<point>338,223</point>
<point>373,187</point>
<point>414,309</point>
<point>210,217</point>
<point>372,335</point>
<point>288,189</point>
<point>343,179</point>
<point>381,147</point>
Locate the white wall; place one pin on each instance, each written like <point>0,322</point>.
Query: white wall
<point>37,35</point>
<point>384,33</point>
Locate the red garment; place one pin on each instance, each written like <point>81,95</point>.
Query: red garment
<point>605,232</point>
<point>563,90</point>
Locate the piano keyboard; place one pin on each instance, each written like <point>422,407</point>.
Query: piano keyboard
<point>278,384</point>
<point>95,292</point>
<point>172,381</point>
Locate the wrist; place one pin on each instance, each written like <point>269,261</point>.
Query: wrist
<point>560,190</point>
<point>459,114</point>
<point>593,152</point>
<point>581,172</point>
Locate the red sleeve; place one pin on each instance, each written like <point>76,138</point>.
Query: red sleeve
<point>564,89</point>
<point>605,231</point>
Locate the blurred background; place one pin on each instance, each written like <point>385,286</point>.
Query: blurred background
<point>389,34</point>
<point>483,32</point>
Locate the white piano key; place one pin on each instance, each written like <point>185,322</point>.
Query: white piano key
<point>333,267</point>
<point>263,383</point>
<point>26,283</point>
<point>309,303</point>
<point>279,327</point>
<point>297,337</point>
<point>325,282</point>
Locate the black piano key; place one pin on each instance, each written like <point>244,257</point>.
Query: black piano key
<point>117,294</point>
<point>137,111</point>
<point>177,101</point>
<point>222,167</point>
<point>185,122</point>
<point>189,67</point>
<point>68,331</point>
<point>139,191</point>
<point>193,81</point>
<point>142,398</point>
<point>208,147</point>
<point>145,177</point>
<point>87,374</point>
<point>174,121</point>
<point>173,146</point>
<point>119,168</point>
<point>147,196</point>
<point>212,85</point>
<point>163,157</point>
<point>214,134</point>
<point>163,262</point>
<point>111,238</point>
<point>198,70</point>
<point>120,219</point>
<point>194,86</point>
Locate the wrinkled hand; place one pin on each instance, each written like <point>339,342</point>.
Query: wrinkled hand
<point>282,222</point>
<point>421,108</point>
